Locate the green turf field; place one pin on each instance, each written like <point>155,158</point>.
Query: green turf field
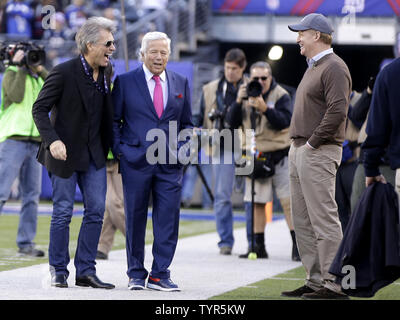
<point>270,289</point>
<point>10,259</point>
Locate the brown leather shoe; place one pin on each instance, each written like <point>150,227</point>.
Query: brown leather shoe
<point>298,292</point>
<point>325,294</point>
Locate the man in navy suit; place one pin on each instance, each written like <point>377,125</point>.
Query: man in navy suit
<point>149,99</point>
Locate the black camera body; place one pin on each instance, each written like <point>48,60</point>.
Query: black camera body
<point>215,114</point>
<point>254,89</point>
<point>34,54</point>
<point>217,117</point>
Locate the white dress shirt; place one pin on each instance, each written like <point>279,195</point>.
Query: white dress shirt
<point>151,84</point>
<point>319,56</point>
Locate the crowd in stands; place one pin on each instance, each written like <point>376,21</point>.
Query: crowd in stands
<point>22,20</point>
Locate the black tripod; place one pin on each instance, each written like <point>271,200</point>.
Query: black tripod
<point>199,171</point>
<point>203,179</point>
<point>252,254</point>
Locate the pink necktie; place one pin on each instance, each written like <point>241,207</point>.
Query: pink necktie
<point>158,97</point>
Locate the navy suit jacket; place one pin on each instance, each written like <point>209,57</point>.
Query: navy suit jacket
<point>135,116</point>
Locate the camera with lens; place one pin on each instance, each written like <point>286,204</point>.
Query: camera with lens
<point>218,118</point>
<point>215,114</point>
<point>34,54</point>
<point>254,89</point>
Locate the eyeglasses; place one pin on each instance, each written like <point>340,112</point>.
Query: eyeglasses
<point>109,43</point>
<point>258,78</point>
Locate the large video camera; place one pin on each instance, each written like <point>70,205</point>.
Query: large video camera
<point>34,54</point>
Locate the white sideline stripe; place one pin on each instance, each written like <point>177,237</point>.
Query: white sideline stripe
<point>291,279</point>
<point>198,269</point>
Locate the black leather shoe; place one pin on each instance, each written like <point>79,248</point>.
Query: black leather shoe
<point>59,281</point>
<point>299,292</point>
<point>101,256</point>
<point>92,281</point>
<point>29,251</point>
<point>325,294</point>
<point>259,250</point>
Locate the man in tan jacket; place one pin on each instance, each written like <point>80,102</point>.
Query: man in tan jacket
<point>273,111</point>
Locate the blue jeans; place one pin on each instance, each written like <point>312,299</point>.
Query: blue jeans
<point>224,180</point>
<point>18,159</point>
<point>93,187</point>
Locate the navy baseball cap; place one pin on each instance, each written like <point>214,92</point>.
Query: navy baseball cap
<point>315,21</point>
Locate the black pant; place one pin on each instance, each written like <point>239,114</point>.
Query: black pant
<point>344,183</point>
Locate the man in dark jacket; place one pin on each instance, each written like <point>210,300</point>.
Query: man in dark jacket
<point>368,257</point>
<point>75,143</point>
<point>383,130</point>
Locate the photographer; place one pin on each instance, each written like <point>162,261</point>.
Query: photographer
<point>263,105</point>
<point>19,144</point>
<point>218,96</point>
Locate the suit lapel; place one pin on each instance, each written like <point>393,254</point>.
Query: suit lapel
<point>171,92</point>
<point>83,82</point>
<point>144,90</point>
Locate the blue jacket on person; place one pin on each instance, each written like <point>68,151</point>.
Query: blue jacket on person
<point>383,129</point>
<point>371,243</point>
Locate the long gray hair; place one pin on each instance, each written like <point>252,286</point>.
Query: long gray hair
<point>150,36</point>
<point>89,32</point>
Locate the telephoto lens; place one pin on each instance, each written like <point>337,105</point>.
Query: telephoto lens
<point>254,89</point>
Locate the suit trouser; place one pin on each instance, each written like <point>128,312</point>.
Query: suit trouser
<point>314,210</point>
<point>344,183</point>
<point>397,185</point>
<point>114,216</point>
<point>165,185</point>
<point>358,186</point>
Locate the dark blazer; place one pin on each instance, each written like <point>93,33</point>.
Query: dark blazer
<point>371,242</point>
<point>63,94</point>
<point>135,115</point>
<point>383,130</point>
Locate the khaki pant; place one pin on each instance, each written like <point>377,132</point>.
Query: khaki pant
<point>114,216</point>
<point>314,210</point>
<point>264,188</point>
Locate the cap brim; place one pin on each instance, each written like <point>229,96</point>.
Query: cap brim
<point>297,27</point>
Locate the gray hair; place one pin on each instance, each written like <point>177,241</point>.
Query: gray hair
<point>261,65</point>
<point>89,32</point>
<point>151,36</point>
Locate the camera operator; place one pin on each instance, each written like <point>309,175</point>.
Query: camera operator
<point>268,111</point>
<point>218,96</point>
<point>19,144</point>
